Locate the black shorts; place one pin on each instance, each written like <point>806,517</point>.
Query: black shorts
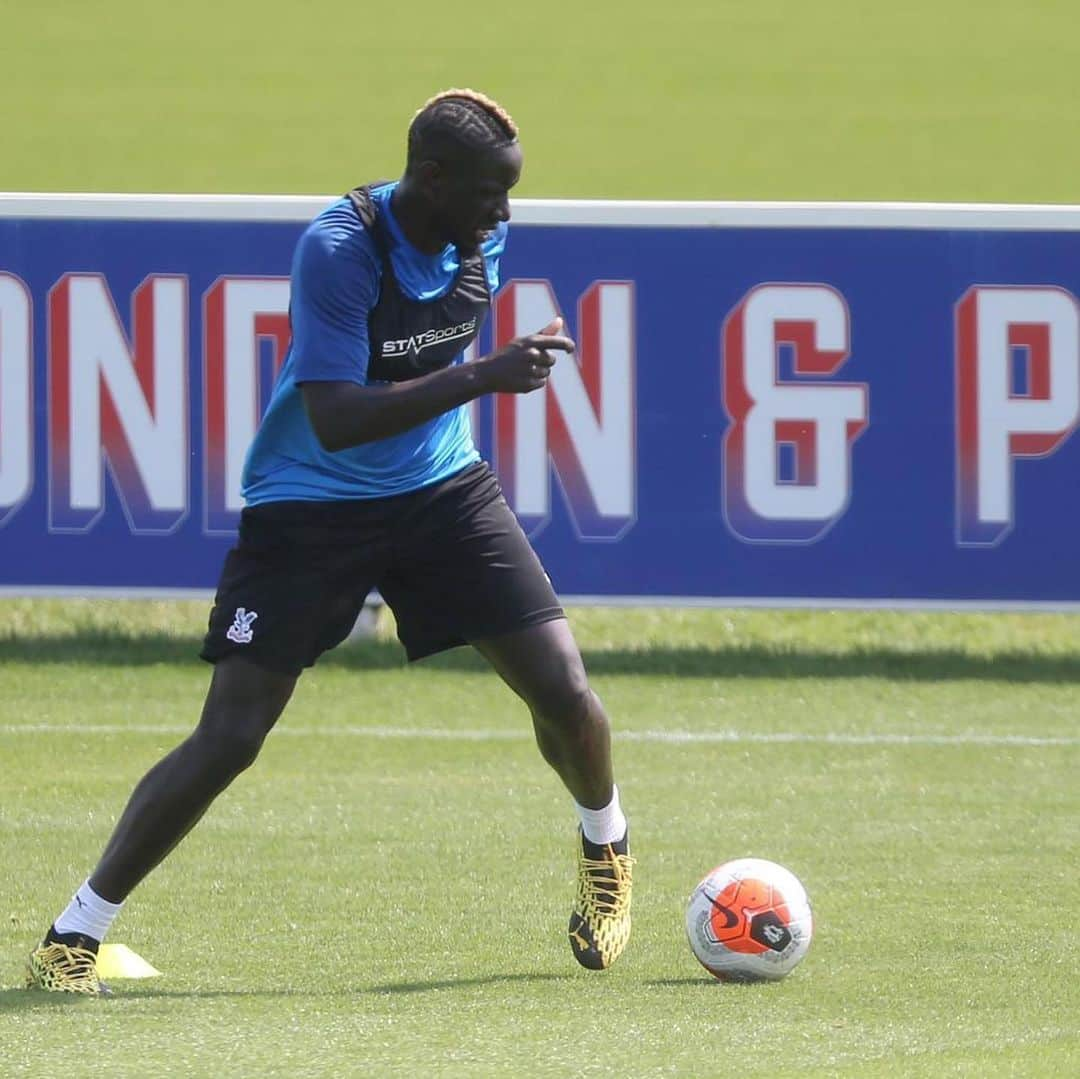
<point>450,560</point>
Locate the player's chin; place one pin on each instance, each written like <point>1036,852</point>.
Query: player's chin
<point>473,240</point>
<point>471,243</point>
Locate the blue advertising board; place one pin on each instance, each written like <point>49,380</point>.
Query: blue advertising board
<point>771,403</point>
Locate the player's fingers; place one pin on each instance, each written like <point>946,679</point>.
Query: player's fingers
<point>553,328</point>
<point>546,341</point>
<point>540,357</point>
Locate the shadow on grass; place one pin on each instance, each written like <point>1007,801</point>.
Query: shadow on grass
<point>22,1000</point>
<point>704,981</point>
<point>394,988</point>
<point>704,661</point>
<point>25,1000</point>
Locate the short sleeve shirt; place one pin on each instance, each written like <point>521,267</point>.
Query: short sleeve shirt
<point>335,282</point>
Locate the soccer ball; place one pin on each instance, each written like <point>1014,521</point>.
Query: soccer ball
<point>749,920</point>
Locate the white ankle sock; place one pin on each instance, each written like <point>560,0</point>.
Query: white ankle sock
<point>88,913</point>
<point>607,825</point>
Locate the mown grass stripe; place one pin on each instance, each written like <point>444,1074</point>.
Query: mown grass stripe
<point>675,737</point>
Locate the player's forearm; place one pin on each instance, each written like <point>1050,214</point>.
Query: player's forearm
<point>344,414</point>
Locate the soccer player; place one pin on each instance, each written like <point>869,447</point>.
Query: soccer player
<point>362,475</point>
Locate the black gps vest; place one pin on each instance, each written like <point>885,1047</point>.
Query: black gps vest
<point>409,338</point>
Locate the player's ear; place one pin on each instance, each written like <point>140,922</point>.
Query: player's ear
<point>432,175</point>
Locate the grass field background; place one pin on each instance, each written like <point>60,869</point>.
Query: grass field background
<point>714,99</point>
<point>386,891</point>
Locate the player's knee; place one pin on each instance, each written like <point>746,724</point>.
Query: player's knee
<point>241,708</point>
<point>227,743</point>
<point>564,701</point>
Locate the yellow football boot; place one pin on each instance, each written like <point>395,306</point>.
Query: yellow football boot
<point>57,967</point>
<point>600,923</point>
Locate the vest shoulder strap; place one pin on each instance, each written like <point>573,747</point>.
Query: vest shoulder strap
<point>364,205</point>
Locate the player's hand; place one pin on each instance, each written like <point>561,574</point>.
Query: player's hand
<point>524,364</point>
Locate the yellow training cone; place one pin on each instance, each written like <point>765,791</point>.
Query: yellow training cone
<point>119,961</point>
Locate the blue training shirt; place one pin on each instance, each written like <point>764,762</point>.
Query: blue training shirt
<point>336,277</point>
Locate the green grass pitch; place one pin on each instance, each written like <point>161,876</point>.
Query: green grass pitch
<point>959,100</point>
<point>386,892</point>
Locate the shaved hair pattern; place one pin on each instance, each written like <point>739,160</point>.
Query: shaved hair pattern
<point>457,120</point>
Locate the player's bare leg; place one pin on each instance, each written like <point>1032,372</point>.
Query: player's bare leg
<point>543,665</point>
<point>242,705</point>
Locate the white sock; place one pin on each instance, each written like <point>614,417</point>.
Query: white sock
<point>88,913</point>
<point>607,825</point>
